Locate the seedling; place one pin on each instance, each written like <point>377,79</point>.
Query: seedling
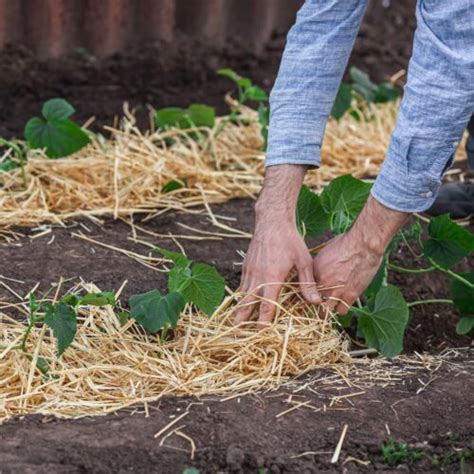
<point>383,313</point>
<point>247,92</point>
<point>195,283</point>
<point>61,318</point>
<point>55,132</point>
<point>362,90</point>
<point>395,453</point>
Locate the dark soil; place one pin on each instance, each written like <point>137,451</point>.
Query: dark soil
<point>243,435</point>
<point>432,327</point>
<point>177,74</point>
<point>431,411</point>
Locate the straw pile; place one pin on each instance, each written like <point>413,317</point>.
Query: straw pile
<point>125,174</point>
<point>109,367</point>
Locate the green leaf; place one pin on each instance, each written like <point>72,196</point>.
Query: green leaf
<point>170,117</point>
<point>256,94</point>
<point>57,109</point>
<point>202,115</point>
<point>172,185</point>
<point>71,300</point>
<point>201,285</point>
<point>343,101</point>
<point>343,199</point>
<point>362,84</point>
<point>102,298</point>
<point>463,296</point>
<point>465,325</point>
<point>154,311</point>
<point>384,325</point>
<point>385,92</point>
<point>176,257</point>
<point>242,82</point>
<point>311,219</point>
<point>59,137</point>
<point>61,318</point>
<point>449,243</point>
<point>198,115</point>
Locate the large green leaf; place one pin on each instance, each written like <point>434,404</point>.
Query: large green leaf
<point>343,199</point>
<point>170,117</point>
<point>311,219</point>
<point>449,243</point>
<point>59,135</point>
<point>343,101</point>
<point>383,325</point>
<point>154,311</point>
<point>256,94</point>
<point>61,318</point>
<point>463,296</point>
<point>201,285</point>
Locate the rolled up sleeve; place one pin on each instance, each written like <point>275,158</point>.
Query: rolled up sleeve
<point>316,54</point>
<point>437,104</point>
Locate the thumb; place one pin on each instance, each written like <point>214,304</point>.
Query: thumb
<point>307,283</point>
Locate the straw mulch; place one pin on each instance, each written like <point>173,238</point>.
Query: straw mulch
<point>109,367</point>
<point>126,173</point>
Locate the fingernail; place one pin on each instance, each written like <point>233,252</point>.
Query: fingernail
<point>315,298</point>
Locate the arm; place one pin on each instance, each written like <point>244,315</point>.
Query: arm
<point>314,60</point>
<point>437,104</point>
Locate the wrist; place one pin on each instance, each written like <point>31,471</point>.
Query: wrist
<point>376,225</point>
<point>279,196</point>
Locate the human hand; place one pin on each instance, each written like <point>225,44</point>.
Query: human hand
<point>349,262</point>
<point>276,247</point>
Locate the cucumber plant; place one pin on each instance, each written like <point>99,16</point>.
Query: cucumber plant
<point>363,90</point>
<point>54,132</point>
<point>61,318</point>
<point>247,92</point>
<point>383,313</point>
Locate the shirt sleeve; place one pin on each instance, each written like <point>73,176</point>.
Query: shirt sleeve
<point>437,104</point>
<point>316,54</point>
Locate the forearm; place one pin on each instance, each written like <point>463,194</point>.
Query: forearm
<point>316,54</point>
<point>279,195</point>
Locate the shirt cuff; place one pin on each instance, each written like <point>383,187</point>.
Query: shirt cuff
<point>404,187</point>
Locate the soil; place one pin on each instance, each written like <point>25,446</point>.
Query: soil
<point>243,435</point>
<point>177,74</point>
<point>431,411</point>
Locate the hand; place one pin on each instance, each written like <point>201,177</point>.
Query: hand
<point>276,247</point>
<point>350,261</point>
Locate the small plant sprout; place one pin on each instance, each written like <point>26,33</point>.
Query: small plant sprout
<point>55,131</point>
<point>247,92</point>
<point>361,90</point>
<point>383,313</point>
<point>61,318</point>
<point>395,453</point>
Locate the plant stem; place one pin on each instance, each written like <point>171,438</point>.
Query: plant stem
<point>392,266</point>
<point>433,301</point>
<point>457,277</point>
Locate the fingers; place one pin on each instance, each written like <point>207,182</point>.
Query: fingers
<point>307,283</point>
<point>246,307</point>
<point>267,309</point>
